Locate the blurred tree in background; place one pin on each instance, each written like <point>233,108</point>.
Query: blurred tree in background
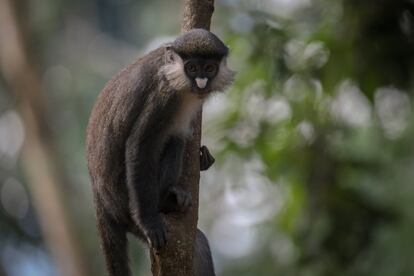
<point>313,143</point>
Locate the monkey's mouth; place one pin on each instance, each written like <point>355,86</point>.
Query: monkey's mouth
<point>201,82</point>
<point>201,87</point>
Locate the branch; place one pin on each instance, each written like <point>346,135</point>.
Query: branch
<point>197,14</point>
<point>177,258</point>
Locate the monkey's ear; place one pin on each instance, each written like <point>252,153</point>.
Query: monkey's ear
<point>170,55</point>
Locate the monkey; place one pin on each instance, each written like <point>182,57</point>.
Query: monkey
<point>135,140</point>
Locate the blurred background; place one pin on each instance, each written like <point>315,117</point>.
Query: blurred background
<point>314,142</point>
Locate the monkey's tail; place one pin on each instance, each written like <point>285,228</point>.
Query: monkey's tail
<point>203,262</point>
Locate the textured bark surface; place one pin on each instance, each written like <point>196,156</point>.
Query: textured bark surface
<point>197,14</point>
<point>177,258</point>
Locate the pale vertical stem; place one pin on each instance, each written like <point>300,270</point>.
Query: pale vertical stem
<point>38,157</point>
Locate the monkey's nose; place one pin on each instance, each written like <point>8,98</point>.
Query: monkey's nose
<point>201,82</point>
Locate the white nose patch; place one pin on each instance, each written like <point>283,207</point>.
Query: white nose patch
<point>201,82</point>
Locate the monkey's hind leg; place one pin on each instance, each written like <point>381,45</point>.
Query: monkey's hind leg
<point>113,243</point>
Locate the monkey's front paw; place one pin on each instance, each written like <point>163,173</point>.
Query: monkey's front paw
<point>183,198</point>
<point>206,159</point>
<point>156,232</point>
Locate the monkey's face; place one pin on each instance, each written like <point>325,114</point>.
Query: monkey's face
<point>201,72</point>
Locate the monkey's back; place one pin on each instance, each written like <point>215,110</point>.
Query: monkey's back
<point>117,107</point>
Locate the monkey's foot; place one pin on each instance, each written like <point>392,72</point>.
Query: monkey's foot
<point>156,232</point>
<point>182,199</point>
<point>206,159</point>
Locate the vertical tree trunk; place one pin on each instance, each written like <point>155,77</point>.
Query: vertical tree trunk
<point>177,258</point>
<point>44,178</point>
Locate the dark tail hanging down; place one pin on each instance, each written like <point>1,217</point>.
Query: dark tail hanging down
<point>203,262</point>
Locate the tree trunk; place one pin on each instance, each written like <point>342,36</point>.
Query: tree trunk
<point>177,258</point>
<point>38,156</point>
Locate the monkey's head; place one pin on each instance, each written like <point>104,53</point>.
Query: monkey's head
<point>196,61</point>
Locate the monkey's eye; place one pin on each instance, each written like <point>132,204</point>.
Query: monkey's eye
<point>210,68</point>
<point>191,67</point>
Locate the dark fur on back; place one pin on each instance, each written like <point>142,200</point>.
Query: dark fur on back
<point>115,111</point>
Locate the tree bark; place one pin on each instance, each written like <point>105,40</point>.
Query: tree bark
<point>177,258</point>
<point>38,157</point>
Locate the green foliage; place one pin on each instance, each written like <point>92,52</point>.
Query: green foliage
<point>308,101</point>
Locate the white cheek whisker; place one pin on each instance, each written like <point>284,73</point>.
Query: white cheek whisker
<point>174,73</point>
<point>224,77</point>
